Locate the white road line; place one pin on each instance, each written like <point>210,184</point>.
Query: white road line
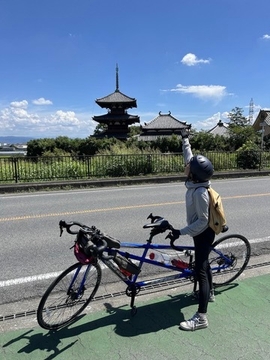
<point>47,276</point>
<point>260,240</point>
<point>30,279</point>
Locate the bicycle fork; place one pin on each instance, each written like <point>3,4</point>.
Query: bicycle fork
<point>76,294</point>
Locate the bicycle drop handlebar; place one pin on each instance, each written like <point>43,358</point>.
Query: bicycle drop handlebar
<point>67,225</point>
<point>96,237</point>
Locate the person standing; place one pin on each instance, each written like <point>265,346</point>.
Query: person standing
<point>199,171</point>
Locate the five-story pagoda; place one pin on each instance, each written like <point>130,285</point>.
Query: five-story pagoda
<point>117,120</point>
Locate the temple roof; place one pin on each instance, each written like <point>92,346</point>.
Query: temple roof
<point>120,117</point>
<point>164,121</point>
<point>220,129</point>
<point>118,98</point>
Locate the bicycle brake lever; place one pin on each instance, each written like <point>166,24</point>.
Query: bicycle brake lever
<point>61,227</point>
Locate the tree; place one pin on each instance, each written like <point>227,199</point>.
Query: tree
<point>100,128</point>
<point>167,144</point>
<point>204,141</point>
<point>241,131</point>
<point>237,118</point>
<point>39,146</point>
<point>248,156</point>
<point>134,130</point>
<point>266,141</point>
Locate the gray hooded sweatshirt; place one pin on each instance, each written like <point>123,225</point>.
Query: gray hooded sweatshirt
<point>197,200</point>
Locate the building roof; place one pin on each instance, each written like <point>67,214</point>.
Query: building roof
<point>109,117</point>
<point>262,122</point>
<point>262,117</point>
<point>118,98</point>
<point>220,129</point>
<point>164,121</point>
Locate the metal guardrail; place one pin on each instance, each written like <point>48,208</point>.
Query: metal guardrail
<point>29,169</point>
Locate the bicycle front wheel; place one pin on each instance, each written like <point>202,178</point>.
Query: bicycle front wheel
<point>68,295</point>
<point>228,258</point>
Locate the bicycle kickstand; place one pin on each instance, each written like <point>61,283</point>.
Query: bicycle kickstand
<point>132,301</point>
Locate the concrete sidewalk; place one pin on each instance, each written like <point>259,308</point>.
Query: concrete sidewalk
<point>239,328</point>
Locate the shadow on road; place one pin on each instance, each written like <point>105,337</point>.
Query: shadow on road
<point>151,317</point>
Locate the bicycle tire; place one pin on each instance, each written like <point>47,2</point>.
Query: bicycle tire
<point>60,304</point>
<point>235,256</point>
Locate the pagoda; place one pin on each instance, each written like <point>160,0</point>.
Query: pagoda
<point>117,119</point>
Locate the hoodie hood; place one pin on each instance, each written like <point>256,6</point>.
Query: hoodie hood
<point>192,185</point>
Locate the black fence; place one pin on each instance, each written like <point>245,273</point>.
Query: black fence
<point>31,169</point>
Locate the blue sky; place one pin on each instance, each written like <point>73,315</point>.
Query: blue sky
<point>196,58</point>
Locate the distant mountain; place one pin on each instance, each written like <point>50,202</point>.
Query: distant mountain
<point>15,139</point>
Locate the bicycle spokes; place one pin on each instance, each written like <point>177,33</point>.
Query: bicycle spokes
<point>228,258</point>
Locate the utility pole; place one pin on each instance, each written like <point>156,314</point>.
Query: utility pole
<point>262,124</point>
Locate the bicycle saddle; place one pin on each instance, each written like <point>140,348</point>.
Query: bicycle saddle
<point>160,223</point>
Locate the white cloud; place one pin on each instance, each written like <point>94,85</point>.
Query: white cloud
<point>67,118</point>
<point>266,37</point>
<point>216,92</point>
<point>209,122</point>
<point>16,120</point>
<point>19,104</point>
<point>192,60</point>
<point>42,101</point>
<point>212,121</point>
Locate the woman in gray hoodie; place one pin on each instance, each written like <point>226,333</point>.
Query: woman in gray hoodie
<point>199,171</point>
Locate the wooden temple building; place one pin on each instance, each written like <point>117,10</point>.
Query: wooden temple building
<point>117,119</point>
<point>163,125</point>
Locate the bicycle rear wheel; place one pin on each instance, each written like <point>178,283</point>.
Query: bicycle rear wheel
<point>228,258</point>
<point>68,295</point>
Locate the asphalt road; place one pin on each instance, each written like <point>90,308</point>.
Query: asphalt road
<point>32,252</point>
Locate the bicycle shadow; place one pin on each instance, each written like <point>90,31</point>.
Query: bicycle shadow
<point>150,318</point>
<point>41,342</point>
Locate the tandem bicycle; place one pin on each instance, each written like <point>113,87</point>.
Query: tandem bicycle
<point>72,291</point>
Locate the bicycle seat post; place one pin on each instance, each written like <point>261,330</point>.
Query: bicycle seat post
<point>150,238</point>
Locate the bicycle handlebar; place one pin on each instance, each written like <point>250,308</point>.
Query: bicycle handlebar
<point>97,238</point>
<point>83,228</point>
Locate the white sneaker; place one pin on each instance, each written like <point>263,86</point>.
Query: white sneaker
<point>195,323</point>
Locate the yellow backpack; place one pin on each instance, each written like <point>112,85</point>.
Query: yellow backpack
<point>217,219</point>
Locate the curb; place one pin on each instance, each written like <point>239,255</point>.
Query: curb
<point>75,184</point>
